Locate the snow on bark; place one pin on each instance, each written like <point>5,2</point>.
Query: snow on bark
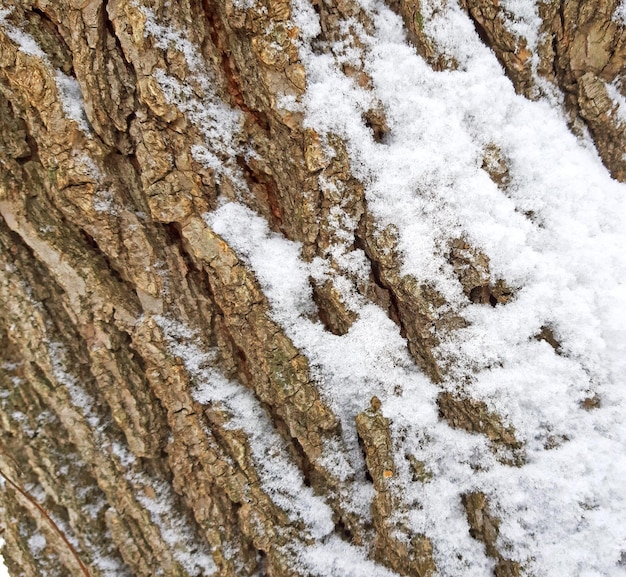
<point>324,288</point>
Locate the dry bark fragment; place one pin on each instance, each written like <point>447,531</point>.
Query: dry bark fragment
<point>412,556</point>
<point>475,417</point>
<point>484,527</point>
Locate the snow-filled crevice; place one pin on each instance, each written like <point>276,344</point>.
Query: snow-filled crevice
<point>156,497</point>
<point>197,98</point>
<point>69,92</point>
<point>56,506</point>
<point>280,479</point>
<point>560,512</point>
<point>371,359</point>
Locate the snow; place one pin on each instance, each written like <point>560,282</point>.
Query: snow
<point>80,398</point>
<point>196,97</point>
<point>617,97</point>
<point>156,496</point>
<point>522,18</point>
<point>336,558</point>
<point>190,553</point>
<point>104,201</point>
<point>69,92</point>
<point>26,42</point>
<point>371,359</point>
<point>36,544</point>
<point>620,12</point>
<point>281,479</point>
<point>556,234</point>
<point>71,99</point>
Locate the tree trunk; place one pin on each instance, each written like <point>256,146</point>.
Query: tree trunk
<point>209,335</point>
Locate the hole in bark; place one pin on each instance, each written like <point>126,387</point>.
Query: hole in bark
<point>368,476</point>
<point>264,186</point>
<point>129,120</point>
<point>243,372</point>
<point>47,19</point>
<point>173,231</point>
<point>295,449</point>
<point>134,161</point>
<point>342,530</point>
<point>555,50</point>
<point>33,149</point>
<point>260,118</point>
<point>58,50</point>
<point>138,359</point>
<point>482,295</point>
<point>394,309</point>
<point>261,559</point>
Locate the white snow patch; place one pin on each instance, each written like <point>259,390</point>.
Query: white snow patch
<point>616,96</point>
<point>79,397</point>
<point>280,478</point>
<point>620,12</point>
<point>104,201</point>
<point>197,98</point>
<point>71,98</point>
<point>70,94</point>
<point>37,543</point>
<point>336,558</point>
<point>524,21</point>
<point>27,44</point>
<point>156,497</point>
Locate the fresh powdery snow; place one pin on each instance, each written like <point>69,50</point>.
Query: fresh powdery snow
<point>192,554</point>
<point>557,235</point>
<point>69,92</point>
<point>280,478</point>
<point>196,97</point>
<point>620,12</point>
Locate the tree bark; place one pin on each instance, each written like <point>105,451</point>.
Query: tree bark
<point>125,122</point>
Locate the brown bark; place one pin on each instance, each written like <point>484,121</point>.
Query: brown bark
<point>102,237</point>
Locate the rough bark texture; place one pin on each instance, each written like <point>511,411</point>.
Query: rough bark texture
<point>102,244</point>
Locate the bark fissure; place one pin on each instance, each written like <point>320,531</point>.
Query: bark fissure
<point>139,348</point>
